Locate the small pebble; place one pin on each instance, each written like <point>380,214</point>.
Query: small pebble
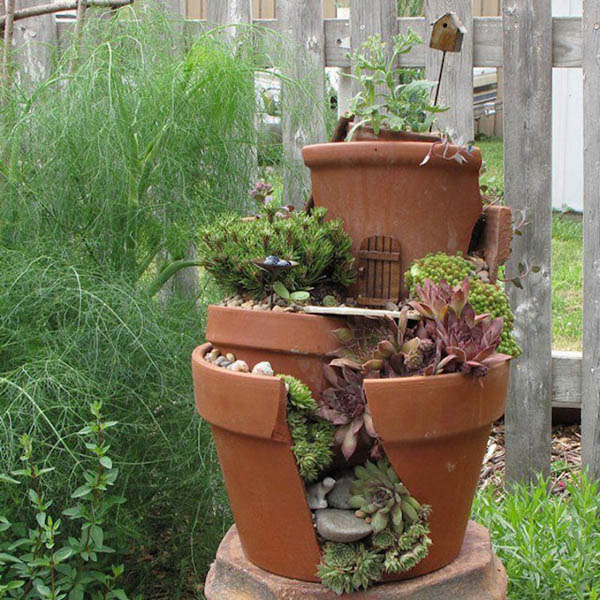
<point>247,304</point>
<point>240,366</point>
<point>360,514</point>
<point>277,308</point>
<point>212,355</point>
<point>225,364</point>
<point>230,357</point>
<point>263,368</point>
<point>220,360</point>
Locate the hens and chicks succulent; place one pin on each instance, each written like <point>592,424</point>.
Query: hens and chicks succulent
<point>400,532</point>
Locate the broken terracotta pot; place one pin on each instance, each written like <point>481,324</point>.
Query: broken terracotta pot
<point>294,343</point>
<point>433,429</point>
<point>395,210</point>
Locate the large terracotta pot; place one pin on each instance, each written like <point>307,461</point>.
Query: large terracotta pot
<point>395,210</point>
<point>433,429</point>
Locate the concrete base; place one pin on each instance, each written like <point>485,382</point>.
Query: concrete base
<point>477,574</point>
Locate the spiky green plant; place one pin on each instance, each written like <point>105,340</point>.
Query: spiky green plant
<point>322,249</point>
<point>380,495</point>
<point>484,297</point>
<point>347,568</point>
<point>312,436</point>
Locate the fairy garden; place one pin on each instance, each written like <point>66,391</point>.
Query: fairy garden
<point>361,354</point>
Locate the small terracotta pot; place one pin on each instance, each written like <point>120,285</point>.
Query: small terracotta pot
<point>394,209</point>
<point>434,431</point>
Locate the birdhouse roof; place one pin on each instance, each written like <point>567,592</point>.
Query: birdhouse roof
<point>455,21</point>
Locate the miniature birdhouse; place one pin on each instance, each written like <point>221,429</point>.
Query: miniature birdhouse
<point>448,32</point>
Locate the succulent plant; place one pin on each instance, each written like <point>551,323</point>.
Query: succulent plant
<point>379,495</point>
<point>485,297</point>
<point>344,404</point>
<point>469,341</point>
<point>229,246</point>
<point>312,436</point>
<point>452,268</point>
<point>388,348</point>
<point>346,568</point>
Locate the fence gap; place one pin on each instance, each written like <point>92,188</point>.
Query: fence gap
<point>303,110</point>
<point>456,88</point>
<point>590,409</point>
<point>527,28</point>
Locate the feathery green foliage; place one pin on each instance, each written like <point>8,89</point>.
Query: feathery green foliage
<point>69,338</point>
<point>322,249</point>
<point>312,436</point>
<point>484,297</point>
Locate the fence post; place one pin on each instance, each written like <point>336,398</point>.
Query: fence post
<point>527,26</point>
<point>303,109</point>
<point>368,17</point>
<point>228,12</point>
<point>590,415</point>
<point>456,90</point>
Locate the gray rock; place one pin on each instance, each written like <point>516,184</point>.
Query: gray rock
<point>341,525</point>
<point>317,491</point>
<point>340,494</point>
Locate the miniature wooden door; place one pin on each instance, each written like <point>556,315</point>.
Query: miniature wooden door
<point>378,271</point>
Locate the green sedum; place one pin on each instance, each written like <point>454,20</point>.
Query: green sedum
<point>312,436</point>
<point>484,297</point>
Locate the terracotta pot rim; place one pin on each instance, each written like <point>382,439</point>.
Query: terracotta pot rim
<point>387,152</point>
<point>437,378</point>
<point>201,351</point>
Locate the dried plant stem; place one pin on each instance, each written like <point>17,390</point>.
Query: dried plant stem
<point>79,23</point>
<point>8,39</point>
<point>60,6</point>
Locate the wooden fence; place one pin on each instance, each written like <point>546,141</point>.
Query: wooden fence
<point>526,43</point>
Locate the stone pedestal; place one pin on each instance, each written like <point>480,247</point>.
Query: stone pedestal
<point>477,574</point>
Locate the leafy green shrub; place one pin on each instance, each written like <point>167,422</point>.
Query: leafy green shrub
<point>38,560</point>
<point>549,544</point>
<point>322,249</point>
<point>390,96</point>
<point>68,338</point>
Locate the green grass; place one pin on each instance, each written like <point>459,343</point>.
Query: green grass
<point>549,543</point>
<point>567,264</point>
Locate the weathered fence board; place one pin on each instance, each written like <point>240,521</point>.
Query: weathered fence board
<point>369,17</point>
<point>456,86</point>
<point>590,415</point>
<point>231,12</point>
<point>528,178</point>
<point>487,40</point>
<point>303,112</point>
